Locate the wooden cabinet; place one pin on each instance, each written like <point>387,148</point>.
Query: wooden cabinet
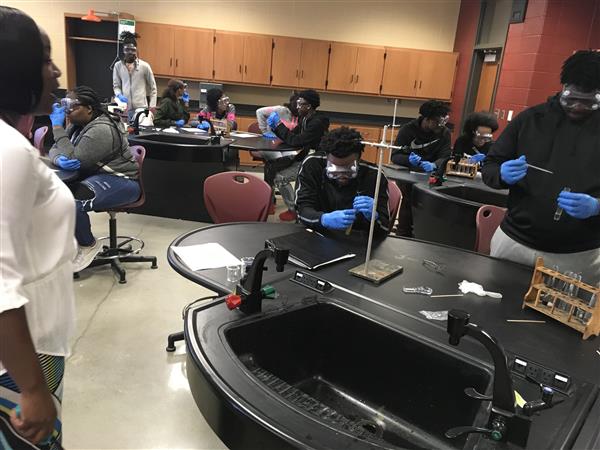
<point>243,122</point>
<point>418,73</point>
<point>176,51</point>
<point>242,58</point>
<point>354,68</point>
<point>299,62</point>
<point>368,133</point>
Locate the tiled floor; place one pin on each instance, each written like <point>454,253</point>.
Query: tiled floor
<point>122,390</point>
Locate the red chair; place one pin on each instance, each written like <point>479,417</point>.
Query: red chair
<point>488,219</point>
<point>236,197</point>
<point>38,139</point>
<point>394,199</point>
<point>120,249</point>
<point>254,128</point>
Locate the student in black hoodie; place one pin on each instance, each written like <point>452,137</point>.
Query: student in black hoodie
<point>476,138</point>
<point>562,135</point>
<point>335,190</point>
<point>307,135</point>
<point>426,147</point>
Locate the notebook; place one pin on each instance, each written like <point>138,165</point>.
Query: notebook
<point>311,250</point>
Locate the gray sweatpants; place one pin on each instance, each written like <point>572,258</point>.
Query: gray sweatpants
<point>587,263</point>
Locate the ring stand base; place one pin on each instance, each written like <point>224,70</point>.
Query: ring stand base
<point>378,271</point>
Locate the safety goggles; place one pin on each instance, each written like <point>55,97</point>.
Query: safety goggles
<point>224,100</point>
<point>69,103</point>
<point>335,172</point>
<point>129,49</point>
<point>571,98</point>
<point>485,137</point>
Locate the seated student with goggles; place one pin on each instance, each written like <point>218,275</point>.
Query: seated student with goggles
<point>476,138</point>
<point>95,143</point>
<point>335,189</point>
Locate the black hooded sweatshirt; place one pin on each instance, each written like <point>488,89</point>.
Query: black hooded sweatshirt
<point>429,146</point>
<point>548,139</point>
<point>307,134</point>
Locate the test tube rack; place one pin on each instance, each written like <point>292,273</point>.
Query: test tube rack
<point>533,300</point>
<point>461,169</point>
<point>221,126</point>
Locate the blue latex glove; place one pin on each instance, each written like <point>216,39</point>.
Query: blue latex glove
<point>338,220</point>
<point>269,135</point>
<point>204,125</point>
<point>179,123</point>
<point>580,206</point>
<point>122,98</point>
<point>57,116</point>
<point>364,205</point>
<point>185,97</point>
<point>477,158</point>
<point>428,166</point>
<point>67,164</point>
<point>513,170</point>
<point>414,159</point>
<point>273,120</point>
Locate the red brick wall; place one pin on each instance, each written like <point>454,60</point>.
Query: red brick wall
<point>536,49</point>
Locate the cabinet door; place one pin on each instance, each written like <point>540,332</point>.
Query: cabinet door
<point>244,122</point>
<point>370,134</point>
<point>369,69</point>
<point>313,64</point>
<point>436,75</point>
<point>257,59</point>
<point>155,46</point>
<point>286,61</point>
<point>193,53</point>
<point>228,56</point>
<point>342,65</point>
<point>400,72</point>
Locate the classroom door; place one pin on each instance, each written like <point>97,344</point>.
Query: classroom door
<point>485,91</point>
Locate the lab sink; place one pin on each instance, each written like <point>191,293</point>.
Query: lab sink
<point>174,139</point>
<point>481,196</point>
<point>360,377</point>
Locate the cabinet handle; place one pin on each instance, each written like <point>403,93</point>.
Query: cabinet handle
<point>302,73</point>
<point>356,79</point>
<point>245,69</point>
<point>170,62</point>
<point>240,68</point>
<point>351,78</point>
<point>296,73</point>
<point>420,83</point>
<point>176,62</point>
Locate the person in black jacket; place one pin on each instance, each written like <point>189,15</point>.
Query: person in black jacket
<point>563,136</point>
<point>425,144</point>
<point>307,135</point>
<point>335,190</point>
<point>476,138</point>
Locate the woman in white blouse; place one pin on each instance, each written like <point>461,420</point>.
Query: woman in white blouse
<point>37,220</point>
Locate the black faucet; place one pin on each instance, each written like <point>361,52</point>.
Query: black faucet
<point>249,294</point>
<point>505,423</point>
<point>136,120</point>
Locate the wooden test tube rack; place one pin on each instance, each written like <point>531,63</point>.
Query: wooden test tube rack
<point>461,169</point>
<point>538,288</point>
<point>221,126</point>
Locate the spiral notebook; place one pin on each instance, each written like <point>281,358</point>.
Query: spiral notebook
<point>311,250</point>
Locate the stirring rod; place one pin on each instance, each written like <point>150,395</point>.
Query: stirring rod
<point>540,169</point>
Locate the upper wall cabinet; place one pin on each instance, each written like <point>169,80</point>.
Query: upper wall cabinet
<point>419,73</point>
<point>190,58</point>
<point>299,63</point>
<point>242,58</point>
<point>355,68</point>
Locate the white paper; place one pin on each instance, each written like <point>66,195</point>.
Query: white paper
<point>206,256</point>
<point>194,130</point>
<point>170,130</point>
<point>242,135</point>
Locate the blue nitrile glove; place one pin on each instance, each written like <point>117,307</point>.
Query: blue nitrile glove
<point>185,97</point>
<point>273,120</point>
<point>122,98</point>
<point>338,220</point>
<point>477,158</point>
<point>428,166</point>
<point>204,125</point>
<point>57,116</point>
<point>580,206</point>
<point>414,159</point>
<point>513,170</point>
<point>364,205</point>
<point>67,164</point>
<point>179,123</point>
<point>269,135</point>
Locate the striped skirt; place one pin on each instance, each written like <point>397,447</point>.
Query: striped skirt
<point>53,368</point>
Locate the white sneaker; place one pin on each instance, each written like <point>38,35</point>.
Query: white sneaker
<point>85,256</point>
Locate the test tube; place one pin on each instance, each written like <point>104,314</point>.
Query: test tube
<point>559,210</point>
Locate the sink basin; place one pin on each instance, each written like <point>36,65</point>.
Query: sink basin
<point>476,195</point>
<point>175,139</point>
<point>360,377</point>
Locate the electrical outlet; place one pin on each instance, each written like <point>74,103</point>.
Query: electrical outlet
<point>547,377</point>
<point>533,372</point>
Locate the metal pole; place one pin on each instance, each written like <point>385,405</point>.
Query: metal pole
<point>375,199</point>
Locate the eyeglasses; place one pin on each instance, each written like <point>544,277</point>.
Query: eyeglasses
<point>443,121</point>
<point>335,172</point>
<point>69,104</point>
<point>302,104</point>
